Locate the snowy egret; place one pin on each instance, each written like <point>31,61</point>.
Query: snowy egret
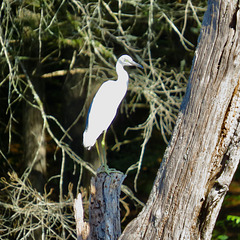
<point>105,103</point>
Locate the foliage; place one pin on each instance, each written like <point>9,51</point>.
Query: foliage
<point>49,40</point>
<point>25,211</point>
<point>235,220</point>
<point>228,223</point>
<point>227,228</point>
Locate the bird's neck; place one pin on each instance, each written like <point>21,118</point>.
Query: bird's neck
<point>122,74</point>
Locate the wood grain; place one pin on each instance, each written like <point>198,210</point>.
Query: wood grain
<point>204,151</point>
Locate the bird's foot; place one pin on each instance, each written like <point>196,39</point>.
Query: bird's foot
<point>105,169</point>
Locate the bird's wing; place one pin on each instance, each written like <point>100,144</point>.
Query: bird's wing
<point>105,104</point>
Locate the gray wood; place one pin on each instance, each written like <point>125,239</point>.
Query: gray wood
<point>104,211</point>
<point>204,151</point>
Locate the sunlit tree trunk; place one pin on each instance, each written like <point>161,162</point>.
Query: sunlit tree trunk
<point>204,151</point>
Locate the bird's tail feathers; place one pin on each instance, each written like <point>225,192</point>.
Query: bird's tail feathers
<point>89,139</point>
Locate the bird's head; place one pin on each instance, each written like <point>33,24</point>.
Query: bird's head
<point>126,60</point>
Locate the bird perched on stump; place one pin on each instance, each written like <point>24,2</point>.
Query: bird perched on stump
<point>105,104</point>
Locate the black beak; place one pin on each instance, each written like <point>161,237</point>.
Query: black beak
<point>137,65</point>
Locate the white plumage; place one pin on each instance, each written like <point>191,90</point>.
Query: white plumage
<point>106,101</point>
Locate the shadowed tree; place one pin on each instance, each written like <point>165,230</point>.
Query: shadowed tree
<point>34,140</point>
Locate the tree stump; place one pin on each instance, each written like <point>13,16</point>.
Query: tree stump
<point>104,211</point>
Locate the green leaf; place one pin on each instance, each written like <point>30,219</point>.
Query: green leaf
<point>222,237</point>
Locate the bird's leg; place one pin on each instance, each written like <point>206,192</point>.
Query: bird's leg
<point>104,149</point>
<point>99,155</point>
<point>104,166</point>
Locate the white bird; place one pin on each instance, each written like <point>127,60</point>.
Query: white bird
<point>105,103</point>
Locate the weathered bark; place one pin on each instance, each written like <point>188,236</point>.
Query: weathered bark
<point>204,151</point>
<point>104,211</point>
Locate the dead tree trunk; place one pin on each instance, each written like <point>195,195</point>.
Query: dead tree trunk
<point>104,210</point>
<point>204,151</point>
